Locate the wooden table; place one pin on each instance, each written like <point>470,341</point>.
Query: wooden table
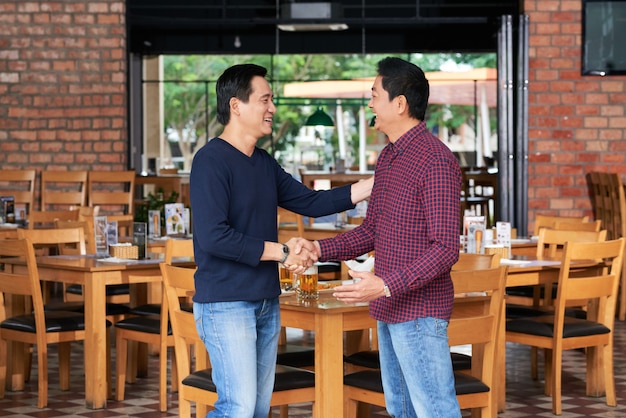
<point>94,275</point>
<point>316,231</point>
<point>308,178</point>
<point>329,319</point>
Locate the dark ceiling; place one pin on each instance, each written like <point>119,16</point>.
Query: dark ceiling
<point>375,26</point>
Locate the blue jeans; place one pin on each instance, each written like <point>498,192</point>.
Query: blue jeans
<point>242,340</point>
<point>416,369</point>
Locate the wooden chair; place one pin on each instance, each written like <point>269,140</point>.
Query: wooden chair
<point>369,359</point>
<point>69,240</point>
<point>558,332</point>
<point>287,217</point>
<point>63,190</point>
<point>153,330</point>
<point>21,185</point>
<point>292,385</point>
<point>609,206</point>
<point>39,328</point>
<point>475,320</point>
<point>549,245</point>
<point>111,191</point>
<point>46,219</point>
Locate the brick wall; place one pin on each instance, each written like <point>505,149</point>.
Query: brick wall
<point>63,101</point>
<point>63,96</point>
<point>576,124</point>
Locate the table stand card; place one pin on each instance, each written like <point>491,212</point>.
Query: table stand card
<point>140,238</point>
<point>473,228</point>
<point>112,233</point>
<point>174,219</point>
<point>154,224</point>
<point>100,234</point>
<point>503,235</point>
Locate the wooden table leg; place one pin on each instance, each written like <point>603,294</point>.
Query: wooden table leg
<point>328,357</point>
<point>96,374</point>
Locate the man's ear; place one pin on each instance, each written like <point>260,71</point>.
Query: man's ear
<point>234,105</point>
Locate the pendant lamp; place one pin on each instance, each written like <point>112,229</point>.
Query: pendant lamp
<point>319,118</point>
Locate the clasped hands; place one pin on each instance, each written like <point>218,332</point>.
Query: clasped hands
<point>302,255</point>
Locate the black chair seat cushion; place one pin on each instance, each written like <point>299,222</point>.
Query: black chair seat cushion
<point>544,326</point>
<point>56,321</point>
<point>365,379</point>
<point>371,380</point>
<point>528,291</point>
<point>295,355</point>
<point>367,358</point>
<point>287,378</point>
<point>515,311</point>
<point>461,361</point>
<point>370,359</point>
<point>111,290</point>
<point>150,309</point>
<point>110,308</point>
<point>147,324</point>
<point>464,384</point>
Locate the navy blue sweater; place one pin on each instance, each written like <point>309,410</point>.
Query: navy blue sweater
<point>234,201</point>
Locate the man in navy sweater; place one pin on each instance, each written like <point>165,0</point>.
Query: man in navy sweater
<point>235,190</point>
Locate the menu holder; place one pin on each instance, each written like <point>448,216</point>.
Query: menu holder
<point>100,235</point>
<point>140,238</point>
<point>7,209</point>
<point>503,236</point>
<point>154,223</point>
<point>473,229</point>
<point>174,219</point>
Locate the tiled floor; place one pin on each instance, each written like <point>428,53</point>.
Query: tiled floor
<point>525,397</point>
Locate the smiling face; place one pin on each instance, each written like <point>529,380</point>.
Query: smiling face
<point>392,117</point>
<point>381,106</point>
<point>256,115</point>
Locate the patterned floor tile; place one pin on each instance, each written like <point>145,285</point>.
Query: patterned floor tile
<point>524,397</point>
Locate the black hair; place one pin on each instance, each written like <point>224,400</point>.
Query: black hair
<point>235,81</point>
<point>400,77</point>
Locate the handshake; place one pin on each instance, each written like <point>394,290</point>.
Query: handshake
<point>302,254</point>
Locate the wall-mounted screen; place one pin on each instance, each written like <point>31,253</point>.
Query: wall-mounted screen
<point>604,37</point>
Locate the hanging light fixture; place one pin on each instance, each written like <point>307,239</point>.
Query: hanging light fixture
<point>319,118</point>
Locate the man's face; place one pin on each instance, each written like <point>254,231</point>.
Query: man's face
<point>257,114</point>
<point>381,106</point>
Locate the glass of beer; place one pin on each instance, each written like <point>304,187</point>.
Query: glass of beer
<point>306,284</point>
<point>286,281</point>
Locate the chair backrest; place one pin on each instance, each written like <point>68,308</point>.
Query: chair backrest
<point>88,228</point>
<point>178,282</point>
<point>597,285</point>
<point>578,226</point>
<point>469,261</point>
<point>67,240</point>
<point>112,191</point>
<point>41,219</point>
<point>476,318</point>
<point>178,248</point>
<point>63,189</point>
<point>21,185</point>
<point>22,284</point>
<point>551,242</point>
<point>608,202</point>
<point>547,221</point>
<point>287,217</point>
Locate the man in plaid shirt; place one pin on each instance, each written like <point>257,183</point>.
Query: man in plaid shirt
<point>412,224</point>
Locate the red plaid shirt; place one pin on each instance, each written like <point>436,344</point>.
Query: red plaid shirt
<point>412,224</point>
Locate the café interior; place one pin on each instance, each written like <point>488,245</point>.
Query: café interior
<point>85,113</point>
